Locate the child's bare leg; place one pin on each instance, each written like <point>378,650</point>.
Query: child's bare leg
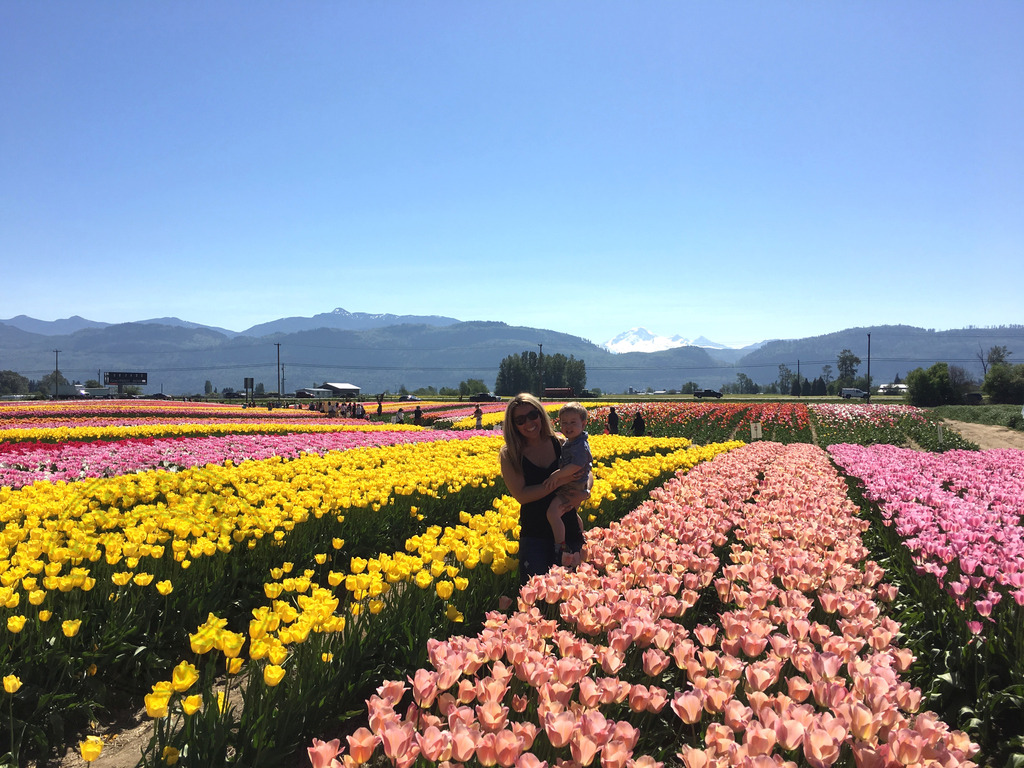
<point>555,511</point>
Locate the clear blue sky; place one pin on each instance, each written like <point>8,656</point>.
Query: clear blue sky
<point>738,170</point>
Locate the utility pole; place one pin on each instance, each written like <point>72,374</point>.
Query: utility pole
<point>56,373</point>
<point>869,368</point>
<point>278,345</point>
<point>540,368</point>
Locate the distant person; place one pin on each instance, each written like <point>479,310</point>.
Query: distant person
<point>613,421</point>
<point>638,425</point>
<point>417,416</point>
<point>399,417</point>
<point>478,414</point>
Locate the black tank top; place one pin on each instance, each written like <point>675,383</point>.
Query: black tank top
<point>533,516</point>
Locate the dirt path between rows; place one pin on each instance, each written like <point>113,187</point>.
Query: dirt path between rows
<point>987,436</point>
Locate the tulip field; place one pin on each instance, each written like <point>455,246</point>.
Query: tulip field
<point>279,588</point>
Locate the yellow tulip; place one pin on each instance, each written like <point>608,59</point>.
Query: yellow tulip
<point>164,587</point>
<point>12,683</point>
<point>184,676</point>
<point>273,674</point>
<point>156,704</point>
<point>15,624</point>
<point>273,590</point>
<point>445,589</point>
<point>90,748</point>
<point>191,704</point>
<point>230,643</point>
<point>170,756</point>
<point>234,666</point>
<point>70,627</point>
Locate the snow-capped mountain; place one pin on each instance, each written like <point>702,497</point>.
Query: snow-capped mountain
<point>642,340</point>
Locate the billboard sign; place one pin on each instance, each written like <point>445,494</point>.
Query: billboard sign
<point>125,377</point>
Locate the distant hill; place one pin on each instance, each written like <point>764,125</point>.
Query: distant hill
<point>52,327</point>
<point>180,358</point>
<point>343,320</point>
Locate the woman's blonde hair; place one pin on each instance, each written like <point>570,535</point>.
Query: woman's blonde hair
<point>514,442</point>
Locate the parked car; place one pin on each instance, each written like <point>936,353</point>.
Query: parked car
<point>707,393</point>
<point>408,399</point>
<point>484,397</point>
<point>849,392</point>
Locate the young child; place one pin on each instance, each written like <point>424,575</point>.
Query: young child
<point>563,517</point>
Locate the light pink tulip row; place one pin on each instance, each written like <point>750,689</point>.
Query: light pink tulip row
<point>957,512</point>
<point>25,463</point>
<point>884,415</point>
<point>799,666</point>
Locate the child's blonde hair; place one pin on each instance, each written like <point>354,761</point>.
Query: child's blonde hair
<point>574,407</point>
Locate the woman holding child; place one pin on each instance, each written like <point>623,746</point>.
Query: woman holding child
<point>530,457</point>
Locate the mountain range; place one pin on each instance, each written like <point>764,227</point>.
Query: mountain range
<point>383,352</point>
<point>641,340</point>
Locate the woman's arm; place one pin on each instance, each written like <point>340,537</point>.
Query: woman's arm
<point>516,483</point>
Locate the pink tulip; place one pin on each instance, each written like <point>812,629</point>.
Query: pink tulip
<point>392,691</point>
<point>820,749</point>
<point>435,744</point>
<point>799,689</point>
<point>530,760</point>
<point>464,742</point>
<point>559,728</point>
<point>322,753</point>
<point>424,687</point>
<point>906,746</point>
<point>583,748</point>
<point>615,754</point>
<point>759,740</point>
<point>361,745</point>
<point>526,732</point>
<point>467,691</point>
<point>695,758</point>
<point>397,740</point>
<point>492,716</point>
<point>624,733</point>
<point>789,734</point>
<point>507,747</point>
<point>486,750</point>
<point>737,715</point>
<point>655,662</point>
<point>590,692</point>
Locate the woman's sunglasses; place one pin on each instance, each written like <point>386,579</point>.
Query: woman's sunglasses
<point>525,417</point>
